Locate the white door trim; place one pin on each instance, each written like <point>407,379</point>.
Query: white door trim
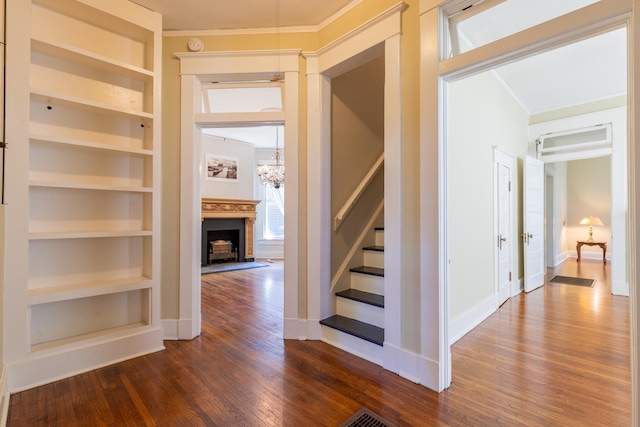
<point>229,66</point>
<point>501,157</point>
<point>382,35</point>
<point>601,16</point>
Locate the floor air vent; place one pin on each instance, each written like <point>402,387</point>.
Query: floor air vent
<point>366,418</point>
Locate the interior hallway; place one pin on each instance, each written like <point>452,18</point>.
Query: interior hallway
<point>558,356</point>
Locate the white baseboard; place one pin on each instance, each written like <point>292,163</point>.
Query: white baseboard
<point>588,255</point>
<point>170,329</point>
<point>619,287</point>
<point>391,357</point>
<point>517,287</point>
<point>48,366</point>
<point>418,369</point>
<point>459,326</point>
<point>301,329</point>
<point>560,258</point>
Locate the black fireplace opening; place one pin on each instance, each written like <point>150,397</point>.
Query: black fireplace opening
<point>223,246</point>
<point>223,240</point>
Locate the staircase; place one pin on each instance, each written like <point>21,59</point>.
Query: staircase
<point>358,326</point>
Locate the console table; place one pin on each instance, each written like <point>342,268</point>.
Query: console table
<point>603,245</point>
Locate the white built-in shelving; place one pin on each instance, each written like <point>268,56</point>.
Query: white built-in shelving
<point>92,187</point>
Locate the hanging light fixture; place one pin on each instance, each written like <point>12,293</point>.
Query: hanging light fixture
<point>273,174</point>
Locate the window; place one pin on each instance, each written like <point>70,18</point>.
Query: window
<point>251,97</point>
<point>273,224</point>
<point>594,141</point>
<point>486,21</point>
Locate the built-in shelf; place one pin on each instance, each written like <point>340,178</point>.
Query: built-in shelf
<point>86,211</point>
<point>89,145</point>
<point>84,186</point>
<point>89,235</point>
<point>88,58</point>
<point>111,334</point>
<point>51,99</point>
<point>50,294</point>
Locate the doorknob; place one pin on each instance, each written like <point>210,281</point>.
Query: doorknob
<point>526,237</point>
<point>500,240</point>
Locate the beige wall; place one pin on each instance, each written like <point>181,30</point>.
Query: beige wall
<point>307,42</point>
<point>171,149</point>
<point>588,193</point>
<point>357,138</point>
<point>482,114</point>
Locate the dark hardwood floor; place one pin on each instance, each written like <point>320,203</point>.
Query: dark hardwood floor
<point>558,356</point>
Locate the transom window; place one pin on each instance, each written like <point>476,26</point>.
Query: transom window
<point>486,21</point>
<point>251,97</point>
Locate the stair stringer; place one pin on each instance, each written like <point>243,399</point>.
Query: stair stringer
<point>341,280</point>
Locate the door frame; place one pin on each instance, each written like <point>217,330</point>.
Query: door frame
<point>549,217</point>
<point>502,157</point>
<point>437,68</point>
<point>195,69</point>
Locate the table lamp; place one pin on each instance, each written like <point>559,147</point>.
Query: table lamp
<point>591,221</point>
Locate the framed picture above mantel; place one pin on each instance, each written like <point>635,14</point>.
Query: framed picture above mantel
<point>221,168</point>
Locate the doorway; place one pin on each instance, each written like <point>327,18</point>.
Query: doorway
<point>198,70</point>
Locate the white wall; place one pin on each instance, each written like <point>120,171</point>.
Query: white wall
<point>244,152</point>
<point>617,117</point>
<point>483,115</point>
<point>559,218</point>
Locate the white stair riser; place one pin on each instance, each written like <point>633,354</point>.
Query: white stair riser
<point>360,311</point>
<point>374,259</point>
<point>354,345</point>
<point>379,237</point>
<point>367,283</point>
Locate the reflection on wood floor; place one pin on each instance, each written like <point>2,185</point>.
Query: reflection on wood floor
<point>558,356</point>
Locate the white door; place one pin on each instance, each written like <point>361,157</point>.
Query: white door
<point>503,213</point>
<point>533,237</point>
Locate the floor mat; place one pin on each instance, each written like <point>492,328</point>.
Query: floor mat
<point>577,281</point>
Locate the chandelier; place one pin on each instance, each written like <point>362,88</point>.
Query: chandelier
<point>272,174</point>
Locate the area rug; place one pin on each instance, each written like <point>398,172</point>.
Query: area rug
<point>230,266</point>
<point>366,418</point>
<point>577,281</point>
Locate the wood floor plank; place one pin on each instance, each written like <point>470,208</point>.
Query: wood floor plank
<point>558,356</point>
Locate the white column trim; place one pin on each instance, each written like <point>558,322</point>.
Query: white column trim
<point>633,112</point>
<point>434,234</point>
<point>190,212</point>
<point>318,200</point>
<point>393,205</point>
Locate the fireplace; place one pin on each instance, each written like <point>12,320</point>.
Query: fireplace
<point>231,231</point>
<point>229,223</point>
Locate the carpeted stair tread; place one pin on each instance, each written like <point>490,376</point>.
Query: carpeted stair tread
<point>374,248</point>
<point>356,328</point>
<point>363,297</point>
<point>374,271</point>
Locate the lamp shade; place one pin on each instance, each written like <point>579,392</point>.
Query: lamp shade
<point>591,220</point>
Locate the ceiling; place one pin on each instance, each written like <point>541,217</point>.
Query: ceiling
<point>592,69</point>
<point>242,14</point>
